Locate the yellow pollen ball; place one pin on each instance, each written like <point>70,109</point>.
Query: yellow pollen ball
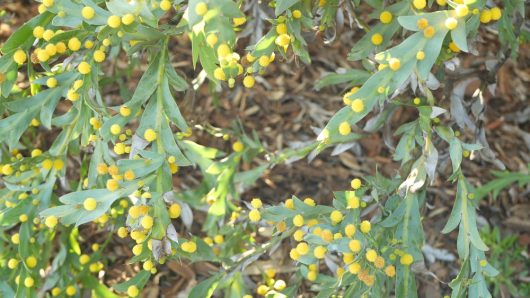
<point>461,10</point>
<point>420,55</point>
<point>189,246</point>
<point>297,14</point>
<point>174,210</point>
<point>115,129</point>
<point>264,61</point>
<point>365,226</point>
<point>51,82</point>
<point>344,128</point>
<point>385,17</point>
<point>150,135</point>
<point>165,5</point>
<point>451,23</point>
<point>74,44</point>
<point>249,81</point>
<point>88,12</point>
<point>20,57</point>
<point>29,282</point>
<point>496,13</point>
<point>99,56</point>
<point>48,3</point>
<point>357,105</point>
<point>406,259</point>
<point>429,32</point>
<point>84,68</point>
<point>422,23</point>
<point>211,39</point>
<point>298,220</point>
<point>320,252</point>
<point>201,8</point>
<point>90,204</point>
<point>38,32</point>
<point>114,21</point>
<point>355,245</point>
<point>128,19</point>
<point>377,39</point>
<point>336,216</point>
<point>133,291</point>
<point>419,4</point>
<point>371,255</point>
<point>238,147</point>
<point>147,222</point>
<point>485,16</point>
<point>254,215</point>
<point>356,183</point>
<point>394,64</point>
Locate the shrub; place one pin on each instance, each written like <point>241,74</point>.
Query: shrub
<point>113,163</point>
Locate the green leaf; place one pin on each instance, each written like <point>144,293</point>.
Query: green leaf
<point>138,280</point>
<point>283,5</point>
<point>205,288</point>
<point>23,36</point>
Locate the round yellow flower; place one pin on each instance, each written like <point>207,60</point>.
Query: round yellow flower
<point>74,44</point>
<point>147,222</point>
<point>31,262</point>
<point>461,10</point>
<point>128,19</point>
<point>344,128</point>
<point>38,32</point>
<point>84,68</point>
<point>88,12</point>
<point>365,226</point>
<point>150,135</point>
<point>302,248</point>
<point>371,255</point>
<point>189,246</point>
<point>429,32</point>
<point>249,81</point>
<point>420,55</point>
<point>297,14</point>
<point>211,39</point>
<point>20,57</point>
<point>201,8</point>
<point>419,4</point>
<point>356,183</point>
<point>133,291</point>
<point>357,105</point>
<point>112,185</point>
<point>451,23</point>
<point>174,210</point>
<point>254,215</point>
<point>320,252</point>
<point>99,56</point>
<point>238,146</point>
<point>298,220</point>
<point>354,268</point>
<point>349,230</point>
<point>51,221</point>
<point>394,64</point>
<point>165,5</point>
<point>90,204</point>
<point>377,39</point>
<point>29,282</point>
<point>485,16</point>
<point>336,216</point>
<point>390,271</point>
<point>114,21</point>
<point>264,61</point>
<point>422,23</point>
<point>355,245</point>
<point>496,13</point>
<point>406,259</point>
<point>385,17</point>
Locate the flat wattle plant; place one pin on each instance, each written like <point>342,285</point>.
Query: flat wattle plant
<point>117,162</point>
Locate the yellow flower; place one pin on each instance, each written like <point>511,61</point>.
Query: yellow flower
<point>336,216</point>
<point>354,268</point>
<point>485,16</point>
<point>74,44</point>
<point>20,57</point>
<point>239,21</point>
<point>88,12</point>
<point>147,222</point>
<point>377,39</point>
<point>122,232</point>
<point>420,55</point>
<point>211,39</point>
<point>149,135</point>
<point>302,248</point>
<point>385,17</point>
<point>406,259</point>
<point>357,105</point>
<point>165,5</point>
<point>355,245</point>
<point>51,221</point>
<point>461,10</point>
<point>344,128</point>
<point>99,56</point>
<point>441,2</point>
<point>112,185</point>
<point>365,226</point>
<point>422,23</point>
<point>289,204</point>
<point>349,230</point>
<point>84,68</point>
<point>283,40</point>
<point>29,282</point>
<point>48,3</point>
<point>281,28</point>
<point>128,19</point>
<point>238,147</point>
<point>38,32</point>
<point>419,4</point>
<point>496,13</point>
<point>31,262</point>
<point>90,204</point>
<point>219,74</point>
<point>429,32</point>
<point>371,255</point>
<point>297,14</point>
<point>356,183</point>
<point>394,64</point>
<point>189,246</point>
<point>114,21</point>
<point>48,34</point>
<point>379,262</point>
<point>264,61</point>
<point>201,8</point>
<point>312,275</point>
<point>298,220</point>
<point>254,215</point>
<point>451,23</point>
<point>248,81</point>
<point>320,252</point>
<point>58,164</point>
<point>417,101</point>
